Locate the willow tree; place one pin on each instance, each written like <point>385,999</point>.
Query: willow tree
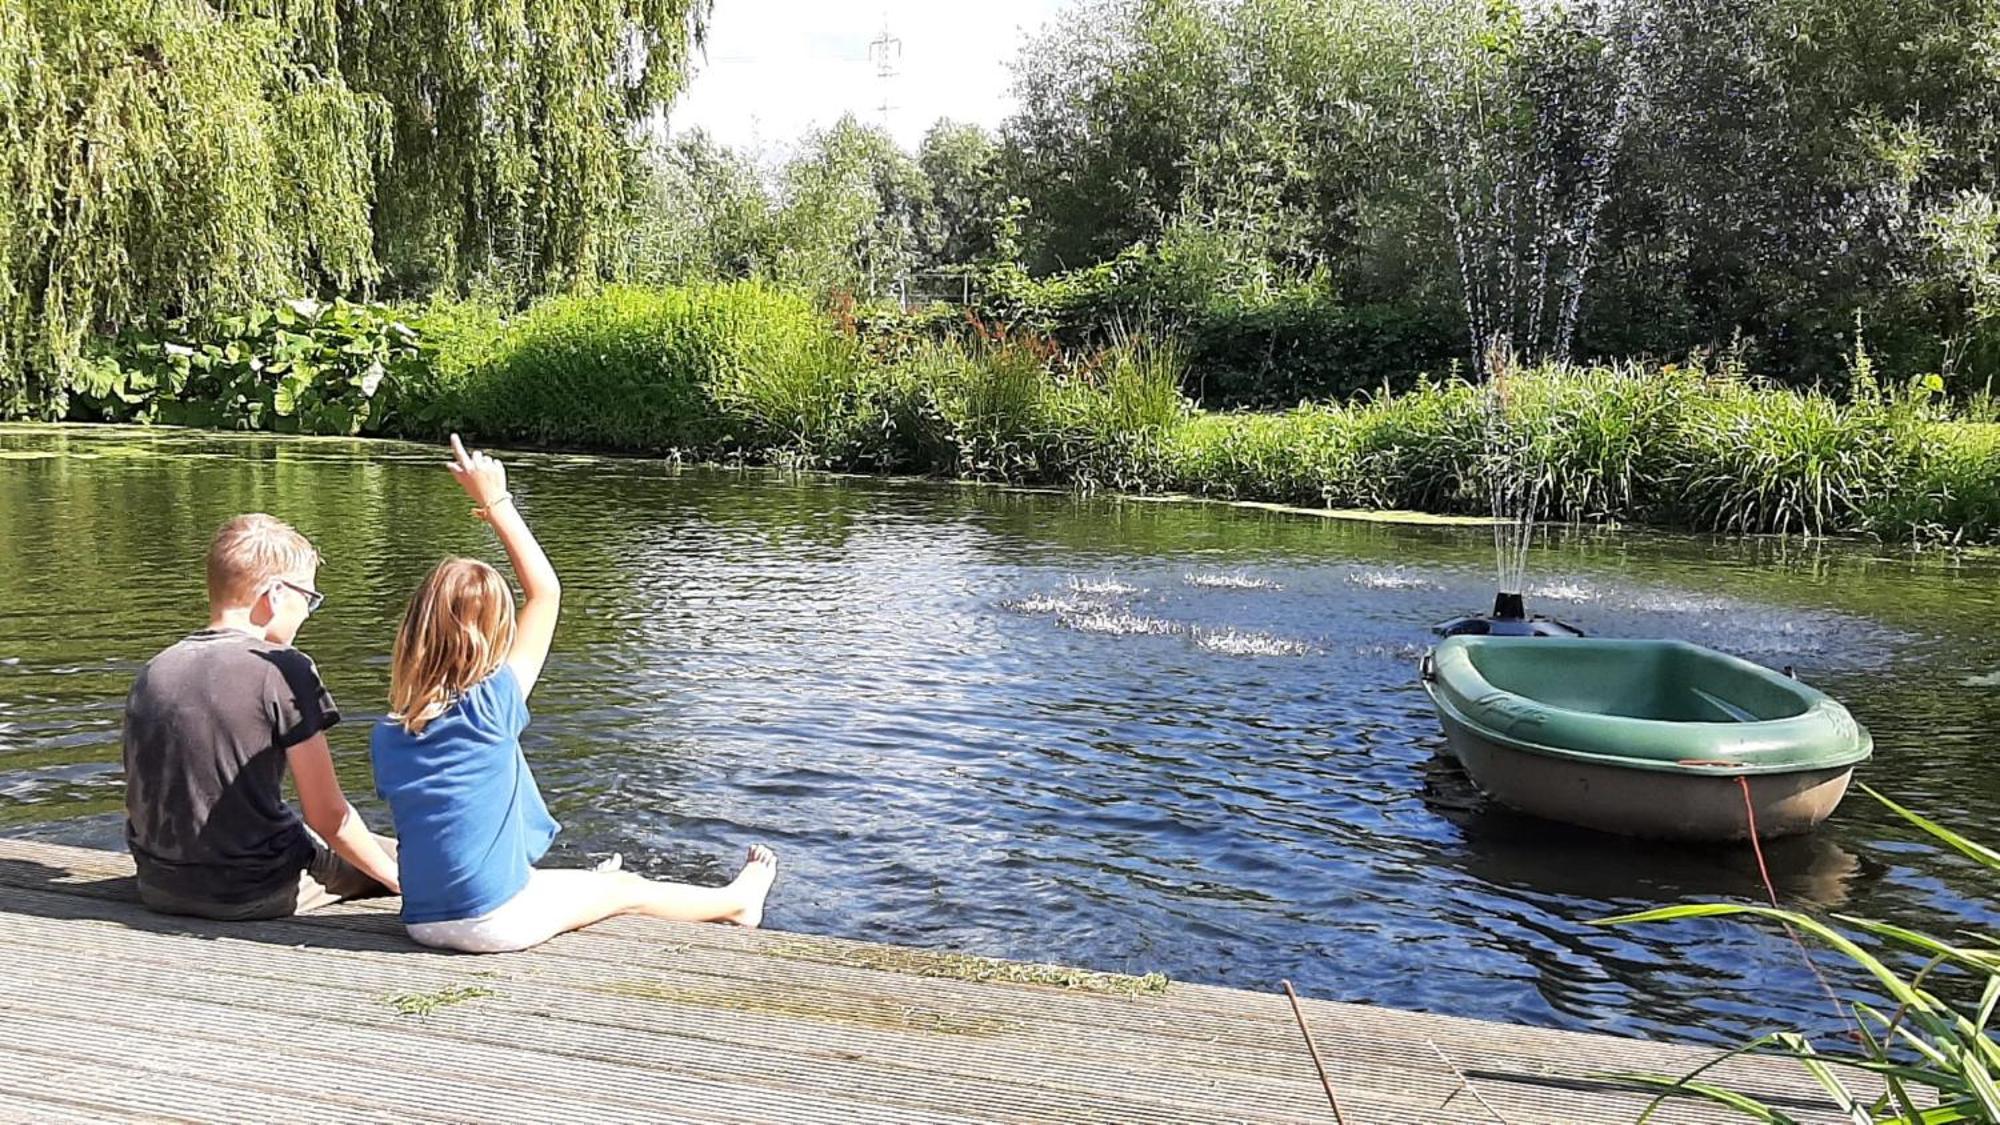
<point>175,158</point>
<point>512,124</point>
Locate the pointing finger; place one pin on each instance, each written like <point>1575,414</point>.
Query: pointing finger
<point>459,454</point>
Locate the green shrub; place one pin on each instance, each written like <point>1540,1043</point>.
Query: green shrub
<point>702,369</point>
<point>1952,495</point>
<point>991,400</point>
<point>454,340</point>
<point>1111,415</point>
<point>1304,345</point>
<point>1421,450</point>
<point>1674,446</point>
<point>301,366</point>
<point>1014,407</point>
<point>1757,459</point>
<point>1305,456</point>
<point>813,401</point>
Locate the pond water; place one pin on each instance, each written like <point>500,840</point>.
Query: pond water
<point>1136,736</point>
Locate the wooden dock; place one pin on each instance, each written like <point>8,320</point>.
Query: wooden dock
<point>109,1012</point>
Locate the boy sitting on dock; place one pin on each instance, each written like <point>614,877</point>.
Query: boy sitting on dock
<point>211,725</point>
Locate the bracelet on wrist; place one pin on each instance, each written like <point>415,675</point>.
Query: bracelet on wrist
<point>486,510</point>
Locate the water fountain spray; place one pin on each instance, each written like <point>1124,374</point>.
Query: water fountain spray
<point>1514,489</point>
<point>1525,155</point>
<point>1523,186</point>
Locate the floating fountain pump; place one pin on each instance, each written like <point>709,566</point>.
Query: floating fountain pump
<point>1508,619</point>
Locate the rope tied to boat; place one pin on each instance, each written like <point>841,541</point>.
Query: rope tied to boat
<point>1771,892</point>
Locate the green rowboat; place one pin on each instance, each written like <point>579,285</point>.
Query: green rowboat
<point>1643,738</point>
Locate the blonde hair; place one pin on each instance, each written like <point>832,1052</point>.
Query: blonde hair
<point>248,552</point>
<point>456,633</point>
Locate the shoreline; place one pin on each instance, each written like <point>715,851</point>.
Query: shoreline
<point>675,462</point>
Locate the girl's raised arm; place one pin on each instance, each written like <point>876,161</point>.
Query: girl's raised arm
<point>485,480</point>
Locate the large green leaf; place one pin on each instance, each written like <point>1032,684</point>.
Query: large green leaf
<point>332,418</point>
<point>290,390</point>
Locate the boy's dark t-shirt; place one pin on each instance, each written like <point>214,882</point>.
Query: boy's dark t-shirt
<point>207,726</point>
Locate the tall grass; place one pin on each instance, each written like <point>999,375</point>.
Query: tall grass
<point>1934,1060</point>
<point>1674,446</point>
<point>1011,408</point>
<point>747,372</point>
<point>694,368</point>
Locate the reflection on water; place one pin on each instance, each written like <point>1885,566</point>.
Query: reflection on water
<point>1507,849</point>
<point>1134,736</point>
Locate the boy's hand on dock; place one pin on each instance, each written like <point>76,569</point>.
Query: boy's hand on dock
<point>483,478</point>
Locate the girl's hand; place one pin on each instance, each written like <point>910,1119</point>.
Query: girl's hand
<point>483,478</point>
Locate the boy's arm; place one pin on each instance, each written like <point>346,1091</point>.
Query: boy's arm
<point>485,480</point>
<point>328,813</point>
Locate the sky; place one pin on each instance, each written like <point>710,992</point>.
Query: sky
<point>776,69</point>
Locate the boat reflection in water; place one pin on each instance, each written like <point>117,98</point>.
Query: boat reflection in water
<point>1505,848</point>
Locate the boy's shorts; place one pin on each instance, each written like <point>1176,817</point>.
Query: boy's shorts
<point>327,879</point>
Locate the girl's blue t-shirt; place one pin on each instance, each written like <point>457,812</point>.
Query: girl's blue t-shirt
<point>470,822</point>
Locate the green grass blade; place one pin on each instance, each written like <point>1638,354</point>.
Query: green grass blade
<point>1979,1081</point>
<point>1891,983</point>
<point>1877,1053</point>
<point>1978,852</point>
<point>1978,960</point>
<point>1686,1079</point>
<point>1748,1106</point>
<point>1905,1104</point>
<point>1950,1114</point>
<point>1798,1048</point>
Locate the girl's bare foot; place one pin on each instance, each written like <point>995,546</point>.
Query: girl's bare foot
<point>752,884</point>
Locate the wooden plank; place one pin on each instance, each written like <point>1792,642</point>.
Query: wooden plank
<point>33,1084</point>
<point>949,1050</point>
<point>1415,1082</point>
<point>652,944</point>
<point>1421,1054</point>
<point>420,1083</point>
<point>746,1017</point>
<point>526,1053</point>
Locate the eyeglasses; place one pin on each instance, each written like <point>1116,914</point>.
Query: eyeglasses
<point>314,599</point>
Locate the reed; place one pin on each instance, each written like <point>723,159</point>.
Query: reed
<point>1934,1057</point>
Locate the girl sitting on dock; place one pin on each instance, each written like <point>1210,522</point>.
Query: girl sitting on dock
<point>448,760</point>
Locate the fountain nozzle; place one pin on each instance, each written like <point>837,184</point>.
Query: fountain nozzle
<point>1509,619</point>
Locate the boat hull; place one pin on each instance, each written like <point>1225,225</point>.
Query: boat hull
<point>1668,806</point>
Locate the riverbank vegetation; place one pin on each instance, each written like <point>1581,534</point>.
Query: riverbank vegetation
<point>747,372</point>
<point>1748,255</point>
